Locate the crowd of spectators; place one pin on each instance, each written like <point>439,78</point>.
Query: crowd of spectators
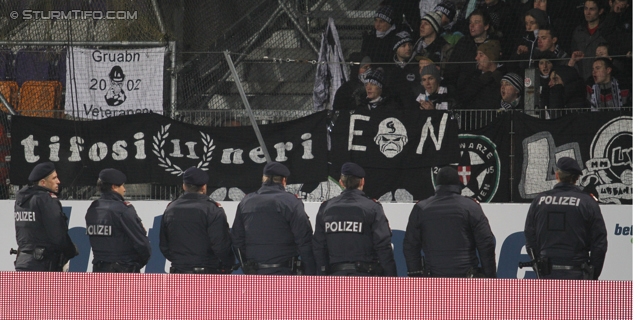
<point>472,55</point>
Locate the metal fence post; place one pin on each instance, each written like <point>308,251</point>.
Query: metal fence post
<point>531,91</point>
<point>512,157</point>
<point>174,80</point>
<point>246,105</point>
<point>7,105</point>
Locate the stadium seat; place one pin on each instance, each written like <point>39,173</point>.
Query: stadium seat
<point>40,98</point>
<point>9,90</point>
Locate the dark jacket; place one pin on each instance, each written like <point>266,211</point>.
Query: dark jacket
<point>503,22</point>
<point>438,50</point>
<point>403,84</point>
<point>353,228</point>
<point>572,93</point>
<point>271,227</point>
<point>40,222</point>
<point>386,103</point>
<point>565,225</point>
<point>529,40</point>
<point>116,233</point>
<point>583,41</point>
<point>378,49</point>
<point>461,63</point>
<point>482,90</point>
<point>350,95</point>
<point>448,228</point>
<point>195,233</point>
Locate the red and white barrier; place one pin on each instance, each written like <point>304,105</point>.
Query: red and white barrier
<point>39,295</point>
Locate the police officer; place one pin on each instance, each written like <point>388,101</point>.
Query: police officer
<point>118,238</point>
<point>271,228</point>
<point>41,226</point>
<point>565,230</point>
<point>194,234</point>
<point>449,228</point>
<point>352,235</point>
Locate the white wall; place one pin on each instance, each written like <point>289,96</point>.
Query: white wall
<point>507,224</point>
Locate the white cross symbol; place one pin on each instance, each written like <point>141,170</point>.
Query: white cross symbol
<point>464,174</point>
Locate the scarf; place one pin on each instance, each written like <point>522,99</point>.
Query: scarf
<point>374,103</point>
<point>403,64</point>
<point>420,47</point>
<point>384,34</point>
<point>506,105</point>
<point>596,96</point>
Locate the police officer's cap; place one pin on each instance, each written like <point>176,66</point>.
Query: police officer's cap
<point>447,176</point>
<point>569,165</point>
<point>352,169</point>
<point>195,176</point>
<point>112,176</point>
<point>41,171</point>
<point>276,169</point>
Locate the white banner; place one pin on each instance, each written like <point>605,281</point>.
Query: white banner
<point>506,220</point>
<point>107,83</point>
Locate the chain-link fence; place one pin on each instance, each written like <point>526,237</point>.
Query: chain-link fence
<point>66,20</point>
<point>274,45</point>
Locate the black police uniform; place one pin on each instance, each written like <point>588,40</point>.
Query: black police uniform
<point>41,231</point>
<point>352,237</point>
<point>449,228</point>
<point>270,228</point>
<point>118,239</point>
<point>194,236</point>
<point>566,226</point>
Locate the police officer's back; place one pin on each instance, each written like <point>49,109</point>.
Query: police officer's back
<point>565,228</point>
<point>194,234</point>
<point>118,238</point>
<point>41,226</point>
<point>271,228</point>
<point>352,234</point>
<point>448,228</point>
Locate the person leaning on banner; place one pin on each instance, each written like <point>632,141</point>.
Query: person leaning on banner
<point>118,238</point>
<point>194,233</point>
<point>565,232</point>
<point>271,229</point>
<point>41,226</point>
<point>449,229</point>
<point>352,235</point>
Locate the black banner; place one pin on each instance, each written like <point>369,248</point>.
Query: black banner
<point>510,160</point>
<point>484,166</point>
<point>601,142</point>
<point>150,148</point>
<point>396,149</point>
